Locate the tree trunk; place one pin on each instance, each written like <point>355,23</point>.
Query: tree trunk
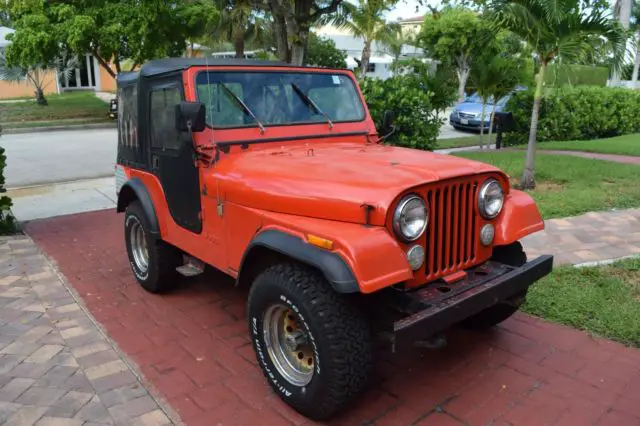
<point>40,99</point>
<point>624,18</point>
<point>636,65</point>
<point>364,59</point>
<point>299,47</point>
<point>528,175</point>
<point>484,105</point>
<point>104,64</point>
<point>238,40</point>
<point>491,118</point>
<point>116,62</point>
<point>463,70</point>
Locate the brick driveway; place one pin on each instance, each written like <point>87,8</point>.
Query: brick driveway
<point>192,346</point>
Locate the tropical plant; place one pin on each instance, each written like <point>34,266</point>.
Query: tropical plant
<point>457,36</point>
<point>365,19</point>
<point>36,75</point>
<point>494,78</point>
<point>556,30</point>
<point>323,52</point>
<point>239,24</point>
<point>397,41</point>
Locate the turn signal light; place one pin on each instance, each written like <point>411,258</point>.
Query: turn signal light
<point>320,242</point>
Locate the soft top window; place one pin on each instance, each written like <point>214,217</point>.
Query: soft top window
<point>277,98</point>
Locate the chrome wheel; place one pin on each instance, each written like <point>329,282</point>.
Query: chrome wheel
<point>139,247</point>
<point>288,345</point>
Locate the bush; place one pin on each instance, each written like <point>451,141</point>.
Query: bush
<point>417,126</point>
<point>7,225</point>
<point>576,75</point>
<point>577,113</point>
<point>322,52</point>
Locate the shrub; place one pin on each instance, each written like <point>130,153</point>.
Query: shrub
<point>322,52</point>
<point>7,225</point>
<point>416,124</point>
<point>577,113</point>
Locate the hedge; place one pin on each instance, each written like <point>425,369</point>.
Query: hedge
<point>7,225</point>
<point>415,123</point>
<point>576,75</point>
<point>576,113</point>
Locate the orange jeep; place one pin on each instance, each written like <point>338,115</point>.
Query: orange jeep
<point>275,174</point>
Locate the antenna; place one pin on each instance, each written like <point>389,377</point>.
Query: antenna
<point>216,154</point>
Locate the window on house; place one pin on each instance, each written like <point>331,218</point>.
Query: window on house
<point>162,118</point>
<point>371,67</point>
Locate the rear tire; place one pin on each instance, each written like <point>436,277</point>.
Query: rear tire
<point>152,261</point>
<point>329,359</point>
<point>512,255</point>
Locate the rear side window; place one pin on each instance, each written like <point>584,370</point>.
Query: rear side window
<point>162,118</point>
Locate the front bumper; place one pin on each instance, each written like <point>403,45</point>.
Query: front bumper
<point>438,305</point>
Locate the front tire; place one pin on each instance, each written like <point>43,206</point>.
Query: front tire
<point>312,345</point>
<point>512,255</point>
<point>152,261</point>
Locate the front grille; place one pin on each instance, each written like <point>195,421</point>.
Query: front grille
<point>466,115</point>
<point>452,237</point>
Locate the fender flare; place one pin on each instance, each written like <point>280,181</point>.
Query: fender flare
<point>332,265</point>
<point>134,189</point>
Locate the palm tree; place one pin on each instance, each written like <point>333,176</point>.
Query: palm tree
<point>239,24</point>
<point>556,30</point>
<point>365,20</point>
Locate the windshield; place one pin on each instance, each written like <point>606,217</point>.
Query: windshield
<point>277,98</point>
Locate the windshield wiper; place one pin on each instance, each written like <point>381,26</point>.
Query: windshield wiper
<point>309,102</point>
<point>243,106</point>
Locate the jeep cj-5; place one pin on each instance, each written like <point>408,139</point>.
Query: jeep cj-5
<point>276,175</point>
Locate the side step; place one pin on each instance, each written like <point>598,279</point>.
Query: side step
<point>191,268</point>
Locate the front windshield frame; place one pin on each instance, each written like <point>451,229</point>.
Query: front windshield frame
<point>357,96</point>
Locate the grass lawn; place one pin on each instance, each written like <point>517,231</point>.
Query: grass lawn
<point>569,186</point>
<point>462,141</point>
<point>603,300</point>
<point>79,107</point>
<point>624,145</point>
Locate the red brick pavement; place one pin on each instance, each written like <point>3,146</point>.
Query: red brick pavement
<point>192,346</point>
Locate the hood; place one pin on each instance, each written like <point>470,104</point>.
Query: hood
<point>333,180</point>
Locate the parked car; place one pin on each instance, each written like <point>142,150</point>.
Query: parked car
<point>275,174</point>
<point>467,115</point>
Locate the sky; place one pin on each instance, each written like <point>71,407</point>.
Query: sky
<point>410,8</point>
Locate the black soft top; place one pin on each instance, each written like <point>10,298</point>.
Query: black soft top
<point>163,66</point>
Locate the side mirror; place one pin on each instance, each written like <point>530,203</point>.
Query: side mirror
<point>191,116</point>
<point>387,127</point>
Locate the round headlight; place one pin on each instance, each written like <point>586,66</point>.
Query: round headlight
<point>410,218</point>
<point>490,199</point>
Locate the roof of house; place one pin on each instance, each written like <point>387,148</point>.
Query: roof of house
<point>414,19</point>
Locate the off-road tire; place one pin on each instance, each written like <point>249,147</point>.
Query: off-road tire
<point>340,336</point>
<point>512,255</point>
<point>163,258</point>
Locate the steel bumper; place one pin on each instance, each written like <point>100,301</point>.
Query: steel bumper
<point>438,306</point>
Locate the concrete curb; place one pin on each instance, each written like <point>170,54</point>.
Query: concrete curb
<point>604,262</point>
<point>88,126</point>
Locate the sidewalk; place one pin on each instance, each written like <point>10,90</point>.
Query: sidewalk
<point>56,366</point>
<point>592,237</point>
<point>192,345</point>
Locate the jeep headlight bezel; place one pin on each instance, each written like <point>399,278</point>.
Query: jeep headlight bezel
<point>490,199</point>
<point>410,218</point>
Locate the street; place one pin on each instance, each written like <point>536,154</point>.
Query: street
<point>42,158</point>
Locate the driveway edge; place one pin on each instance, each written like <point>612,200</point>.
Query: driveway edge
<point>133,367</point>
